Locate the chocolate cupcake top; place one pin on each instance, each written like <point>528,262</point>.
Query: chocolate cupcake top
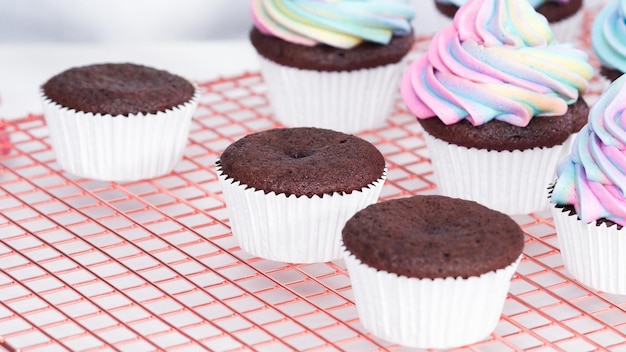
<point>433,237</point>
<point>118,89</point>
<point>302,161</point>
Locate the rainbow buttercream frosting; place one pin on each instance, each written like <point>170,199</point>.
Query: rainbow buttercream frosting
<point>338,23</point>
<point>497,60</point>
<point>593,177</point>
<point>608,35</point>
<point>534,3</point>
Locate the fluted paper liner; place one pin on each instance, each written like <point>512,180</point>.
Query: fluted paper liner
<point>118,148</point>
<point>345,101</point>
<point>593,254</point>
<point>512,182</point>
<point>427,313</point>
<point>292,229</point>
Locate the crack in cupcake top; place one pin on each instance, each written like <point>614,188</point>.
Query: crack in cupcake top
<point>497,60</point>
<point>338,23</point>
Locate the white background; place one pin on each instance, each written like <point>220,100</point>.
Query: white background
<point>198,39</point>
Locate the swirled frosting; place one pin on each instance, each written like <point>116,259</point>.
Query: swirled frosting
<point>534,3</point>
<point>593,177</point>
<point>338,23</point>
<point>497,60</point>
<point>608,35</point>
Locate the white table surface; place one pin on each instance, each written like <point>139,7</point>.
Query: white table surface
<point>24,67</point>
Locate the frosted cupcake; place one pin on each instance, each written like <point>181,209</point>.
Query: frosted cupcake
<point>499,101</point>
<point>289,191</point>
<point>608,40</point>
<point>332,64</point>
<point>589,202</point>
<point>118,122</point>
<point>565,16</point>
<point>431,271</point>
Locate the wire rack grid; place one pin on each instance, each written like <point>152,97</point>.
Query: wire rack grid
<point>151,265</point>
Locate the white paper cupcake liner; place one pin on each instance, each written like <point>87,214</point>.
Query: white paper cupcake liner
<point>292,229</point>
<point>593,254</point>
<point>346,101</point>
<point>427,313</point>
<point>512,182</point>
<point>118,148</point>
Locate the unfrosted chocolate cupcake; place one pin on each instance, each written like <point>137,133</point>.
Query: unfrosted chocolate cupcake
<point>289,191</point>
<point>118,122</point>
<point>431,271</point>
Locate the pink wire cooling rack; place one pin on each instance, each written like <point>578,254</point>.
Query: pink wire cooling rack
<point>151,265</point>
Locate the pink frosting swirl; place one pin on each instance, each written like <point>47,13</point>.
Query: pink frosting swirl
<point>497,60</point>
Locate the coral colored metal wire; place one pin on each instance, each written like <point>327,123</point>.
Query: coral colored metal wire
<point>151,265</point>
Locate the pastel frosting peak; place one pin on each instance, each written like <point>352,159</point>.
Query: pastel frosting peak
<point>338,23</point>
<point>497,60</point>
<point>608,35</point>
<point>593,177</point>
<point>534,3</point>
